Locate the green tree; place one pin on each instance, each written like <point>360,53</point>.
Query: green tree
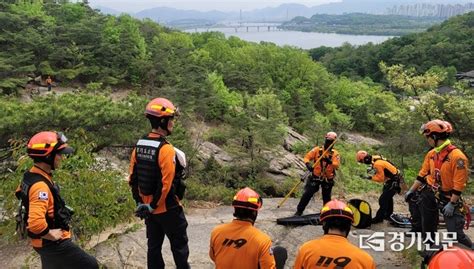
<point>220,101</point>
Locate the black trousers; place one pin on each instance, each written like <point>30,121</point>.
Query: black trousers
<point>281,255</point>
<point>427,211</point>
<point>173,224</point>
<point>65,254</point>
<point>386,202</point>
<point>415,213</point>
<point>311,187</point>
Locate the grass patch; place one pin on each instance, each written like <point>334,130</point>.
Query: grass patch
<point>217,192</point>
<point>412,257</point>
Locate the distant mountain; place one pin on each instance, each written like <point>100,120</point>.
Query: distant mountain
<point>108,11</point>
<point>284,12</point>
<point>166,14</point>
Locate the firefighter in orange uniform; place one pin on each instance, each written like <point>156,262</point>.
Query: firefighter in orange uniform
<point>323,172</point>
<point>386,173</point>
<point>49,83</point>
<point>239,244</point>
<point>333,250</point>
<point>440,183</point>
<point>154,184</point>
<point>46,215</point>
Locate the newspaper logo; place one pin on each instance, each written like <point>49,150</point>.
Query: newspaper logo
<point>375,241</point>
<point>399,241</point>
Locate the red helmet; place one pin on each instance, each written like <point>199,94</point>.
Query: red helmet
<point>44,143</point>
<point>161,107</point>
<point>331,136</point>
<point>336,208</point>
<point>454,257</point>
<point>361,154</point>
<point>436,126</point>
<point>248,199</point>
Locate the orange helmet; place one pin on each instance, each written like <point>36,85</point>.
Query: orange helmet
<point>248,199</point>
<point>336,208</point>
<point>331,136</point>
<point>45,143</point>
<point>450,127</point>
<point>436,126</point>
<point>360,155</point>
<point>454,257</point>
<point>161,107</point>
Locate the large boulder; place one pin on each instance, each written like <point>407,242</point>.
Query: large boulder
<point>208,149</point>
<point>358,139</point>
<point>292,138</point>
<point>284,163</point>
<point>288,164</point>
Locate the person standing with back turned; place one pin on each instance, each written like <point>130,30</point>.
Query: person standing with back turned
<point>153,182</point>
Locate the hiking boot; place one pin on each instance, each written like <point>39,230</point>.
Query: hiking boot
<point>298,213</point>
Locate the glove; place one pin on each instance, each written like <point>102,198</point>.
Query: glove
<point>143,210</point>
<point>310,167</point>
<point>448,210</point>
<point>408,195</point>
<point>144,206</point>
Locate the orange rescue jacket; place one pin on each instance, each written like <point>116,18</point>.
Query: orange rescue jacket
<point>329,169</point>
<point>332,251</point>
<point>41,202</point>
<point>240,245</point>
<point>383,170</point>
<point>453,172</point>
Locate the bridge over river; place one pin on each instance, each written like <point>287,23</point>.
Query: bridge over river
<point>244,27</point>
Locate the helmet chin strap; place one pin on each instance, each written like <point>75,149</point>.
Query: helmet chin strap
<point>50,160</point>
<point>164,125</point>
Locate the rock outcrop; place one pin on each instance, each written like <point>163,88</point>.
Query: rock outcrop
<point>208,149</point>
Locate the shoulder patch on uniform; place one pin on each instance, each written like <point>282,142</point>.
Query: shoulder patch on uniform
<point>42,195</point>
<point>461,164</point>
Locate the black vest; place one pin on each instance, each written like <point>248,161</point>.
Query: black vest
<point>148,172</point>
<point>62,214</point>
<point>149,175</point>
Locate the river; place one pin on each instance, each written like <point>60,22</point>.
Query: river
<point>302,40</point>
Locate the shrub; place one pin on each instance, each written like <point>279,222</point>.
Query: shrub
<point>100,198</point>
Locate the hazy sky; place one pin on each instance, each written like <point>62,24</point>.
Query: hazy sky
<point>137,5</point>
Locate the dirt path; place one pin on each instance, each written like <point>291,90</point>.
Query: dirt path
<point>128,249</point>
<point>32,91</point>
